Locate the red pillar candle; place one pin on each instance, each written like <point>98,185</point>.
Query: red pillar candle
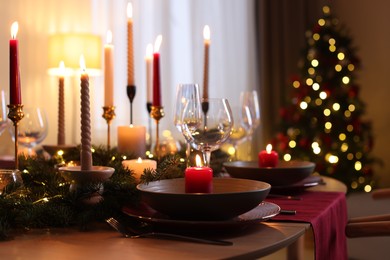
<point>268,158</point>
<point>14,73</point>
<point>156,73</point>
<point>198,179</point>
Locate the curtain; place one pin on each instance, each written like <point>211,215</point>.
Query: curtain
<point>281,27</point>
<point>232,60</point>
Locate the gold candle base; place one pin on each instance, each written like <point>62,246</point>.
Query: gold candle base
<point>16,114</point>
<point>109,115</point>
<point>157,112</point>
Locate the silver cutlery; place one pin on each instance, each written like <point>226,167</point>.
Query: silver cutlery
<point>287,212</point>
<point>131,233</point>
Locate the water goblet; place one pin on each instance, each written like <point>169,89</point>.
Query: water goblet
<point>3,112</point>
<point>251,113</point>
<point>32,129</point>
<point>184,94</point>
<point>207,126</point>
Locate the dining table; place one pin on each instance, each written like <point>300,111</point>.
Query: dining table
<point>257,240</point>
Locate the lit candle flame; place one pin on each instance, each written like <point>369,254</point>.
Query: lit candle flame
<point>109,37</point>
<point>269,148</point>
<point>139,160</point>
<point>129,10</point>
<point>14,29</point>
<point>82,63</point>
<point>198,161</point>
<point>149,51</point>
<point>62,68</point>
<point>157,43</point>
<point>206,33</point>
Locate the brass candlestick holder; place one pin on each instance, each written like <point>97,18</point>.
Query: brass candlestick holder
<point>16,114</point>
<point>109,115</point>
<point>157,112</point>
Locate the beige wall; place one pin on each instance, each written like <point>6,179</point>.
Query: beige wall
<point>369,27</point>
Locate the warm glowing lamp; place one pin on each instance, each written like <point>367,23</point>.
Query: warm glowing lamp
<point>68,47</point>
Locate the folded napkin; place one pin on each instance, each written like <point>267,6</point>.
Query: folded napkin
<point>327,213</point>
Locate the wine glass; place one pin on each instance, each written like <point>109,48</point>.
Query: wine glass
<point>251,113</point>
<point>3,112</point>
<point>207,126</point>
<point>239,131</point>
<point>32,129</point>
<point>184,94</point>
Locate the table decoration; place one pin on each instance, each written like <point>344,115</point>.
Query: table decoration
<point>86,174</point>
<point>108,108</point>
<point>268,157</point>
<point>132,141</point>
<point>149,90</point>
<point>138,166</point>
<point>286,173</point>
<point>323,210</point>
<point>157,110</point>
<point>45,199</point>
<point>15,107</point>
<point>230,197</point>
<point>198,179</point>
<point>206,36</point>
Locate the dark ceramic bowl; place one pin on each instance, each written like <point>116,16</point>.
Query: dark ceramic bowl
<point>230,197</point>
<point>286,173</point>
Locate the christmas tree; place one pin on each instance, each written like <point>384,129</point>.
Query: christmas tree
<point>322,120</point>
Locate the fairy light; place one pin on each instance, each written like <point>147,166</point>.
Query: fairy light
<point>316,36</point>
<point>292,144</point>
<point>367,188</point>
<point>311,71</point>
<point>315,86</point>
<point>350,156</point>
<point>296,84</point>
<point>349,128</point>
<point>318,102</point>
<point>327,112</point>
<point>323,95</point>
<point>326,9</point>
<point>332,41</point>
<point>358,165</point>
<point>345,80</point>
<point>332,48</point>
<point>351,107</point>
<point>338,68</point>
<point>124,157</point>
<point>344,147</point>
<point>321,22</point>
<point>287,157</point>
<point>231,151</point>
<point>314,63</point>
<point>347,113</point>
<point>333,159</point>
<point>336,106</point>
<point>113,158</point>
<point>309,81</point>
<point>340,56</point>
<point>351,67</point>
<point>328,125</point>
<point>342,136</point>
<point>317,150</point>
<point>358,155</point>
<point>303,105</point>
<point>354,185</point>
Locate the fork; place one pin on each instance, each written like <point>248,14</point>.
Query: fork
<point>130,233</point>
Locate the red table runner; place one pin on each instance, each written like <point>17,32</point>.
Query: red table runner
<point>327,213</point>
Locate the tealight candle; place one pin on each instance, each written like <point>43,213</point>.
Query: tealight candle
<point>139,165</point>
<point>268,158</point>
<point>198,179</point>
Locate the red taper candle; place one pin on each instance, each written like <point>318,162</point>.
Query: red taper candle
<point>14,73</point>
<point>156,73</point>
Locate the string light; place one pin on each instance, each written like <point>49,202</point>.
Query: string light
<point>315,86</point>
<point>327,112</point>
<point>336,106</point>
<point>296,84</point>
<point>341,56</point>
<point>323,95</point>
<point>345,80</point>
<point>287,157</point>
<point>303,105</point>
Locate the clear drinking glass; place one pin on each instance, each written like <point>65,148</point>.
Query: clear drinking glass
<point>8,178</point>
<point>239,131</point>
<point>3,112</point>
<point>32,128</point>
<point>184,94</point>
<point>250,110</point>
<point>208,126</point>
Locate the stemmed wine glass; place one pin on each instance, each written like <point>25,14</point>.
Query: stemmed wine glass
<point>184,94</point>
<point>251,113</point>
<point>32,128</point>
<point>207,125</point>
<point>3,112</point>
<point>239,130</point>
